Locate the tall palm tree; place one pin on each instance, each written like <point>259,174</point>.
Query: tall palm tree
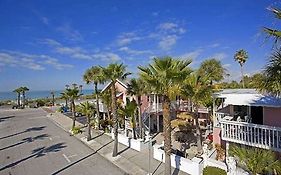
<point>257,161</point>
<point>129,111</point>
<point>18,91</point>
<point>88,110</point>
<point>274,33</point>
<point>213,68</point>
<point>241,57</point>
<point>136,88</point>
<point>113,72</point>
<point>197,88</point>
<point>73,94</point>
<point>106,99</point>
<point>165,76</point>
<point>271,81</point>
<point>53,98</point>
<point>95,75</point>
<point>65,97</point>
<point>24,89</point>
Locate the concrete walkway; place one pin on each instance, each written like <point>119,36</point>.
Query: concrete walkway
<point>129,160</point>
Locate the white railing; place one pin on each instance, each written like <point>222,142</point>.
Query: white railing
<point>260,136</point>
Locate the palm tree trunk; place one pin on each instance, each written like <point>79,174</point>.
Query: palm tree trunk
<point>53,103</point>
<point>66,103</point>
<point>167,134</point>
<point>23,96</point>
<point>73,114</point>
<point>89,137</point>
<point>140,118</point>
<point>97,103</point>
<point>243,83</point>
<point>115,119</point>
<point>198,130</point>
<point>18,100</point>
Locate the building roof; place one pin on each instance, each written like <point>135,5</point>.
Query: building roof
<point>248,97</point>
<point>118,81</point>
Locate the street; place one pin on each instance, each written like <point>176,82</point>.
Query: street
<point>32,144</point>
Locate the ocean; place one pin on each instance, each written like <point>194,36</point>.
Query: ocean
<point>36,94</point>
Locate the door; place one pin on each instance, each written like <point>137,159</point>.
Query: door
<point>257,114</point>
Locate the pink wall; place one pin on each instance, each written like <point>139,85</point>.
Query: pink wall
<point>216,135</point>
<point>272,116</point>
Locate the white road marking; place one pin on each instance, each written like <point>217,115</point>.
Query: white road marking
<point>72,156</point>
<point>50,138</point>
<point>66,158</point>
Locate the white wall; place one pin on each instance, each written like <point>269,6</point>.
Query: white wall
<point>192,167</point>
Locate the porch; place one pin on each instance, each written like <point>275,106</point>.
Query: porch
<point>260,136</point>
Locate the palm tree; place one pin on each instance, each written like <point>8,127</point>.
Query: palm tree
<point>73,94</point>
<point>95,75</point>
<point>106,99</point>
<point>88,110</point>
<point>129,111</point>
<point>257,161</point>
<point>18,91</point>
<point>213,68</point>
<point>24,89</point>
<point>136,88</point>
<point>241,57</point>
<point>53,98</point>
<point>275,33</point>
<point>113,72</point>
<point>271,82</point>
<point>165,76</point>
<point>65,97</point>
<point>197,89</point>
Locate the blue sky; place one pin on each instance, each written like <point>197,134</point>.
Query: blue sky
<point>47,44</point>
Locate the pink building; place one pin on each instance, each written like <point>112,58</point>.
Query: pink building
<point>249,118</point>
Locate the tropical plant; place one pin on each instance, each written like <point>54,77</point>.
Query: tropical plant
<point>274,33</point>
<point>53,98</point>
<point>88,110</point>
<point>271,82</point>
<point>213,69</point>
<point>76,130</point>
<point>136,88</point>
<point>72,94</point>
<point>197,89</point>
<point>164,76</point>
<point>129,111</point>
<point>106,99</point>
<point>213,171</point>
<point>95,75</point>
<point>241,57</point>
<point>255,160</point>
<point>113,72</point>
<point>65,97</point>
<point>18,91</point>
<point>24,90</point>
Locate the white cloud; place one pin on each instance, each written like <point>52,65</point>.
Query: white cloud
<point>29,61</point>
<point>127,38</point>
<point>171,27</point>
<point>191,55</point>
<point>219,56</point>
<point>70,33</point>
<point>167,42</point>
<point>214,45</point>
<point>134,52</point>
<point>107,56</point>
<point>45,20</point>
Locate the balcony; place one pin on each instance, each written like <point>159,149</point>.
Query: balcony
<point>255,135</point>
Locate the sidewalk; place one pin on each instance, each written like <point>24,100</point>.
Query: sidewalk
<point>129,160</point>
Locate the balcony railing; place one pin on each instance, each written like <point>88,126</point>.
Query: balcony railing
<point>260,136</point>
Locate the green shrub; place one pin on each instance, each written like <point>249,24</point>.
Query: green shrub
<point>77,130</point>
<point>213,171</point>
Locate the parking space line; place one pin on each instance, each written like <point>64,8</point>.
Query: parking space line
<point>66,158</point>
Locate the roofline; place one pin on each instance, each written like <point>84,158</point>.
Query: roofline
<point>117,80</point>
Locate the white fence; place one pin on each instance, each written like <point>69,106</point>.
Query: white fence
<point>136,144</point>
<point>261,136</point>
<point>192,167</point>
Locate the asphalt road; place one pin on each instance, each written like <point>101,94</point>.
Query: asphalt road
<point>31,144</point>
